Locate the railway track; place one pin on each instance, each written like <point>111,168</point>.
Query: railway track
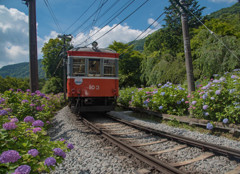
<point>163,151</point>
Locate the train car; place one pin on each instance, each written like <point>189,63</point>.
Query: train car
<point>92,82</point>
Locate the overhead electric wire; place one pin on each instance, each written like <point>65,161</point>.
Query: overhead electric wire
<point>104,13</point>
<point>89,17</point>
<point>122,20</point>
<point>214,35</point>
<point>81,16</point>
<point>124,7</point>
<point>149,26</point>
<point>97,14</point>
<point>53,15</point>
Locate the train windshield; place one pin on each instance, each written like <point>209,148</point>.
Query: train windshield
<point>94,67</point>
<point>109,68</point>
<point>78,67</point>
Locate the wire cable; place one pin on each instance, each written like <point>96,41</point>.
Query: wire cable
<point>119,12</point>
<point>89,18</point>
<point>53,15</point>
<point>122,21</point>
<point>80,16</point>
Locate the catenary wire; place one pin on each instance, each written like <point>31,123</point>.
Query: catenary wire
<point>80,16</point>
<point>53,15</point>
<point>122,20</point>
<point>124,7</point>
<point>89,18</point>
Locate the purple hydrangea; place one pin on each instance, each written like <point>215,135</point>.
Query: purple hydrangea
<point>39,108</point>
<point>70,146</point>
<point>37,129</point>
<point>32,104</point>
<point>218,92</point>
<point>225,120</point>
<point>206,113</point>
<point>2,100</point>
<point>14,120</point>
<point>160,107</point>
<point>23,169</point>
<point>209,126</point>
<point>62,139</point>
<point>162,93</point>
<point>9,156</point>
<point>194,102</point>
<point>29,119</point>
<point>24,101</point>
<point>28,90</point>
<point>3,112</point>
<point>9,126</point>
<point>59,152</point>
<point>205,107</point>
<point>33,152</point>
<point>204,96</point>
<point>50,161</point>
<point>178,102</point>
<point>233,76</point>
<point>38,123</point>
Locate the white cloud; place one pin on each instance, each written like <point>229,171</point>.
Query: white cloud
<point>228,1</point>
<point>122,33</point>
<point>156,25</point>
<point>14,45</point>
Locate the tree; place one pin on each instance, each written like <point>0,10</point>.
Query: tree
<point>129,64</point>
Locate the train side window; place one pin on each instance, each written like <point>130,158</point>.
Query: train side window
<point>109,68</point>
<point>78,67</point>
<point>94,67</point>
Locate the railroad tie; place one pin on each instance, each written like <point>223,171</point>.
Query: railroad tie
<point>234,171</point>
<point>168,150</point>
<point>201,157</point>
<point>146,144</point>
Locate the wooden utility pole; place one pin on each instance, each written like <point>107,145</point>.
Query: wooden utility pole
<point>187,48</point>
<point>33,62</point>
<point>64,37</point>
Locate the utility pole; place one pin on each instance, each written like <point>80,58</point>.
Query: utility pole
<point>187,48</point>
<point>64,37</point>
<point>33,62</point>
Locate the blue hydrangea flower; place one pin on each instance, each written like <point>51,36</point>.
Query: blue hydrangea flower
<point>205,107</point>
<point>206,113</point>
<point>33,152</point>
<point>194,102</point>
<point>9,156</point>
<point>23,169</point>
<point>70,146</point>
<point>38,123</point>
<point>225,120</point>
<point>50,161</point>
<point>212,98</point>
<point>3,112</point>
<point>178,102</point>
<point>162,93</point>
<point>209,126</point>
<point>204,96</point>
<point>182,100</point>
<point>59,152</point>
<point>9,126</point>
<point>29,119</point>
<point>218,92</point>
<point>160,107</point>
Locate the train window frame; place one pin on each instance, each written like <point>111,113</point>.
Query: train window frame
<point>92,71</point>
<point>112,66</point>
<point>81,65</point>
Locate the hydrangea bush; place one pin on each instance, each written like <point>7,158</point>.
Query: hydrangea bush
<point>216,99</point>
<point>25,146</point>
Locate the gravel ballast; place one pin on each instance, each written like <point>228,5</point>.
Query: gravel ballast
<point>92,154</point>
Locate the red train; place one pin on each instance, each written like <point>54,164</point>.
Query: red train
<point>92,82</point>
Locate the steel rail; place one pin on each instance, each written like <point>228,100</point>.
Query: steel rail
<point>158,165</point>
<point>196,143</point>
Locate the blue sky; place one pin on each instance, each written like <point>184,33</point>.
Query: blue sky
<point>14,22</point>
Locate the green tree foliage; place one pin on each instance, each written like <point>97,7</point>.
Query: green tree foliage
<point>52,54</point>
<point>14,83</point>
<point>129,64</point>
<point>53,85</point>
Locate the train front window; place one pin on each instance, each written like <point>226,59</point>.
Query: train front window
<point>78,67</point>
<point>94,67</point>
<point>109,68</point>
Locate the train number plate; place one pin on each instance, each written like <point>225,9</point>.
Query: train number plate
<point>94,87</point>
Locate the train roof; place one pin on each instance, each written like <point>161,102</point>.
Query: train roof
<point>89,49</point>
